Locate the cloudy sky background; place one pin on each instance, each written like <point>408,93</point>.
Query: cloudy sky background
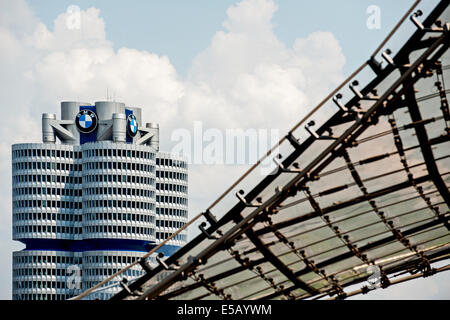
<point>228,64</point>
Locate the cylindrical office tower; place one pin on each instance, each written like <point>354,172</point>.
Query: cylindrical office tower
<point>47,196</point>
<point>118,209</point>
<point>171,198</point>
<point>118,191</point>
<point>86,207</point>
<point>47,215</point>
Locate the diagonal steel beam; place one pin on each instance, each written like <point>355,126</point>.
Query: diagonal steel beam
<point>277,263</point>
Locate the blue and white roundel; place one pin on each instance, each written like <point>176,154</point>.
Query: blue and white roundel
<point>132,125</point>
<point>86,121</point>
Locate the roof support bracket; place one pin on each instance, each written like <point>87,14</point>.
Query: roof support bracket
<point>283,168</point>
<point>420,26</point>
<point>240,196</point>
<point>202,227</point>
<point>314,133</point>
<point>143,263</point>
<point>163,263</point>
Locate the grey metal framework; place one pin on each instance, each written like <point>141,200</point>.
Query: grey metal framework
<point>360,197</point>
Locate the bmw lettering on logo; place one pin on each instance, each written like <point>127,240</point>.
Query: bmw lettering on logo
<point>86,121</point>
<point>132,125</point>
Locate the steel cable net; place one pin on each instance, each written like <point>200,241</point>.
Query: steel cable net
<point>360,197</point>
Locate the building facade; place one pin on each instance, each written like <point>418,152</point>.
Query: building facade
<point>93,202</point>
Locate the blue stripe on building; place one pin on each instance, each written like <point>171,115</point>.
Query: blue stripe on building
<point>127,113</point>
<point>95,245</point>
<point>92,136</point>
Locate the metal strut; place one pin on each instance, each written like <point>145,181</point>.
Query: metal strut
<point>440,85</point>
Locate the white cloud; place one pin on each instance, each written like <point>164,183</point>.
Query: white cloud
<point>252,79</point>
<point>89,34</point>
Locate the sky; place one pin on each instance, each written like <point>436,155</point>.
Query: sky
<point>222,64</point>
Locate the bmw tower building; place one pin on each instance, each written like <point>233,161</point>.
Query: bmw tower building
<point>92,198</point>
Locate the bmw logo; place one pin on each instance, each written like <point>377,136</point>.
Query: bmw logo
<point>86,121</point>
<point>132,125</point>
